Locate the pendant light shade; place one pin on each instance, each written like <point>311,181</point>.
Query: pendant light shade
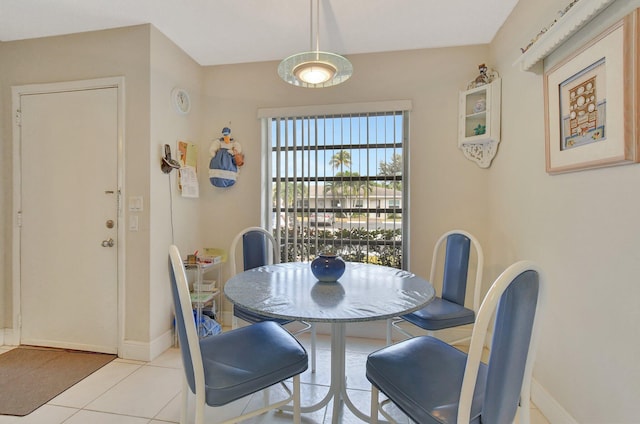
<point>315,69</point>
<point>314,72</point>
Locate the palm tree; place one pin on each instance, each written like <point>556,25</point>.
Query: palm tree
<point>365,187</point>
<point>349,187</point>
<point>348,184</point>
<point>339,187</point>
<point>288,191</point>
<point>393,169</point>
<point>341,160</point>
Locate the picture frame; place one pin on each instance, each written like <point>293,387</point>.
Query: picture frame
<point>591,104</point>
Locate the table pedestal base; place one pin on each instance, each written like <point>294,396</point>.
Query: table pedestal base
<point>337,387</point>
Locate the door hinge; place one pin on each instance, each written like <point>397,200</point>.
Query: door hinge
<point>19,219</point>
<point>19,117</point>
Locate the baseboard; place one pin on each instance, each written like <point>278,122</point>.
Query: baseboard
<point>160,344</point>
<point>10,337</point>
<point>550,408</point>
<point>143,351</point>
<point>226,319</point>
<point>136,351</point>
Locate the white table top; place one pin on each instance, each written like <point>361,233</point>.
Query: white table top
<point>365,292</point>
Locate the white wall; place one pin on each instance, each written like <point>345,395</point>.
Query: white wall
<point>170,68</point>
<point>152,66</point>
<point>76,57</point>
<point>582,228</point>
<point>4,192</point>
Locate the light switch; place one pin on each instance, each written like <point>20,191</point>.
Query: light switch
<point>133,222</point>
<point>135,204</point>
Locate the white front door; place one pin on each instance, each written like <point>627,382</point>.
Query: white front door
<point>69,219</point>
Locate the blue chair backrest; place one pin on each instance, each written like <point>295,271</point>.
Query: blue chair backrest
<point>456,268</point>
<point>509,348</point>
<point>182,331</point>
<point>254,250</point>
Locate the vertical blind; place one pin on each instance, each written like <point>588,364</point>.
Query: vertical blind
<point>338,183</point>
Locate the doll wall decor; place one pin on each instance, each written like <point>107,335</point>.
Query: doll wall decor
<point>226,159</point>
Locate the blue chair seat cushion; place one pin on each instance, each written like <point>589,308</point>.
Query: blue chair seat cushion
<point>439,314</point>
<point>252,317</point>
<point>395,370</point>
<point>248,359</point>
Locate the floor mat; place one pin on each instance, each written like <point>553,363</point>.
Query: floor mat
<point>31,376</point>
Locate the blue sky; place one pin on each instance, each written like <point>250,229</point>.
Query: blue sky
<point>357,130</point>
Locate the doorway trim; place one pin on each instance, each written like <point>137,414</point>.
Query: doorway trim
<point>16,92</point>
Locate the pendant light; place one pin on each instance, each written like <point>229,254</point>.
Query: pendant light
<point>315,68</point>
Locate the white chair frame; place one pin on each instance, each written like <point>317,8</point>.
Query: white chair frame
<point>484,318</point>
<point>275,258</point>
<point>196,359</point>
<point>477,288</point>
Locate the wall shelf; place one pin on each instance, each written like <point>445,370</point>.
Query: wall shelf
<point>479,122</point>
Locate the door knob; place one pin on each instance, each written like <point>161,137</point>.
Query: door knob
<point>107,243</point>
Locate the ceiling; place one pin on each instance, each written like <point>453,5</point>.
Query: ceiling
<point>215,32</point>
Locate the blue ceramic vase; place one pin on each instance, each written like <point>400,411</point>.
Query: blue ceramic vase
<point>328,268</point>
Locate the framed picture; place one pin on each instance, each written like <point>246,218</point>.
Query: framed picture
<point>591,103</point>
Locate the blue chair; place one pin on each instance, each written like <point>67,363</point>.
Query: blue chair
<point>256,253</point>
<point>448,310</point>
<point>434,383</point>
<point>223,368</point>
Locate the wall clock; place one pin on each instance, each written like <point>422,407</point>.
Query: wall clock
<point>181,100</point>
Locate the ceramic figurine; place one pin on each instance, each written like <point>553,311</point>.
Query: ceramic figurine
<point>480,106</point>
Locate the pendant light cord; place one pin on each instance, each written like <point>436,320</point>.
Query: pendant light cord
<point>317,27</point>
<point>315,68</point>
<point>311,25</point>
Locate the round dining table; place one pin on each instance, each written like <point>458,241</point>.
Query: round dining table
<point>365,292</point>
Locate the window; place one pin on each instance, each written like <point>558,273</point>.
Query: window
<point>340,183</point>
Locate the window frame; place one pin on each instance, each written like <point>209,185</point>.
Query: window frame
<point>329,111</point>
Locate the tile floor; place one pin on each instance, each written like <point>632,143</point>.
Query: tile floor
<point>131,392</point>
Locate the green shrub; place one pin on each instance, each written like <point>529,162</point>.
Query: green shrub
<point>382,247</point>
